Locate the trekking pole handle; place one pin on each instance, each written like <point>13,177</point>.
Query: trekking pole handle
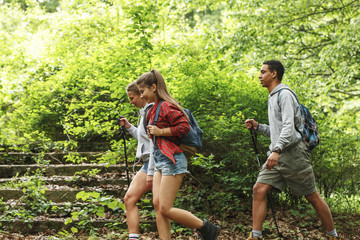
<point>123,126</point>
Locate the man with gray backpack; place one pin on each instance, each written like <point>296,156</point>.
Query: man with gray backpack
<point>293,133</point>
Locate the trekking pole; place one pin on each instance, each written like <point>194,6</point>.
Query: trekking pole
<point>253,137</point>
<point>126,161</point>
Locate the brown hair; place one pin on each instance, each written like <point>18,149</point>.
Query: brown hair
<point>154,77</point>
<point>132,87</point>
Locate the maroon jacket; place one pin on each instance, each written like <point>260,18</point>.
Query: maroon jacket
<point>169,116</point>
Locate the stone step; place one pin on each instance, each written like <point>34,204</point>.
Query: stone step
<point>144,202</point>
<point>75,204</point>
<point>80,146</point>
<point>53,157</point>
<point>65,209</point>
<point>63,194</point>
<point>98,180</point>
<point>62,183</point>
<point>8,171</point>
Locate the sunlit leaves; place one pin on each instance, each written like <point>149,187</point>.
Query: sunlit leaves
<point>63,74</point>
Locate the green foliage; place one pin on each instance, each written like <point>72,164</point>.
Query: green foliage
<point>96,207</point>
<point>344,203</point>
<point>47,5</point>
<point>335,166</point>
<point>75,157</point>
<point>303,211</point>
<point>177,228</point>
<point>65,65</point>
<point>33,201</point>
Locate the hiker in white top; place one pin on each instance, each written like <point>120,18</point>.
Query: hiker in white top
<point>142,182</point>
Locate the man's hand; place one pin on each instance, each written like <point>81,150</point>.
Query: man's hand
<point>272,160</point>
<point>149,180</point>
<point>251,122</point>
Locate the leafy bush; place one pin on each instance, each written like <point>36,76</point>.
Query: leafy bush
<point>64,73</point>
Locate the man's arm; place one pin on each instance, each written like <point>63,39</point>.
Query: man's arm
<point>265,129</point>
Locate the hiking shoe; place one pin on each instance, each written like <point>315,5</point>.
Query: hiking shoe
<point>253,238</point>
<point>333,238</point>
<point>208,231</point>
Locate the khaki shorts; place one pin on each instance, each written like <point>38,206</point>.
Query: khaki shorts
<point>293,169</point>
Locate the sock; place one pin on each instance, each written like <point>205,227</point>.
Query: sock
<point>134,236</point>
<point>256,233</point>
<point>333,233</point>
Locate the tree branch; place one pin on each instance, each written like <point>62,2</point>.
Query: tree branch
<point>320,74</point>
<point>353,93</point>
<point>315,47</point>
<point>320,12</point>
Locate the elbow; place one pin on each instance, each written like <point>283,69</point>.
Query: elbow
<point>186,129</point>
<point>181,130</point>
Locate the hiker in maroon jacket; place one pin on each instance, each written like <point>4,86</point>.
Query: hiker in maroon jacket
<point>170,161</point>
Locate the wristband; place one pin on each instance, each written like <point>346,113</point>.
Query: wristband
<point>277,150</point>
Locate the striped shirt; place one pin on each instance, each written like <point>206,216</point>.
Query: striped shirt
<point>169,116</point>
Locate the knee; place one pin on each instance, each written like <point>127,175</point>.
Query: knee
<point>129,200</point>
<point>159,208</point>
<point>164,210</point>
<point>313,198</point>
<point>260,191</point>
<point>156,204</point>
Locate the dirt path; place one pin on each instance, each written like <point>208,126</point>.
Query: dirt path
<point>299,228</point>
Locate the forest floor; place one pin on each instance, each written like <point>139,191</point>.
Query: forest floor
<point>291,227</point>
<point>299,222</point>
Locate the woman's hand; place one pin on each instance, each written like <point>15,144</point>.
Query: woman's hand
<point>149,180</point>
<point>154,130</point>
<point>124,122</point>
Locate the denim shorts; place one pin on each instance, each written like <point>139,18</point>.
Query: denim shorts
<point>145,167</point>
<point>164,164</point>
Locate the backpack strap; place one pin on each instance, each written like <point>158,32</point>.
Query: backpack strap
<point>278,98</point>
<point>278,102</point>
<point>145,115</point>
<point>157,112</point>
<point>157,117</point>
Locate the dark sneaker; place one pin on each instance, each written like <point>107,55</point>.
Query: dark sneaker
<point>253,238</point>
<point>208,231</point>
